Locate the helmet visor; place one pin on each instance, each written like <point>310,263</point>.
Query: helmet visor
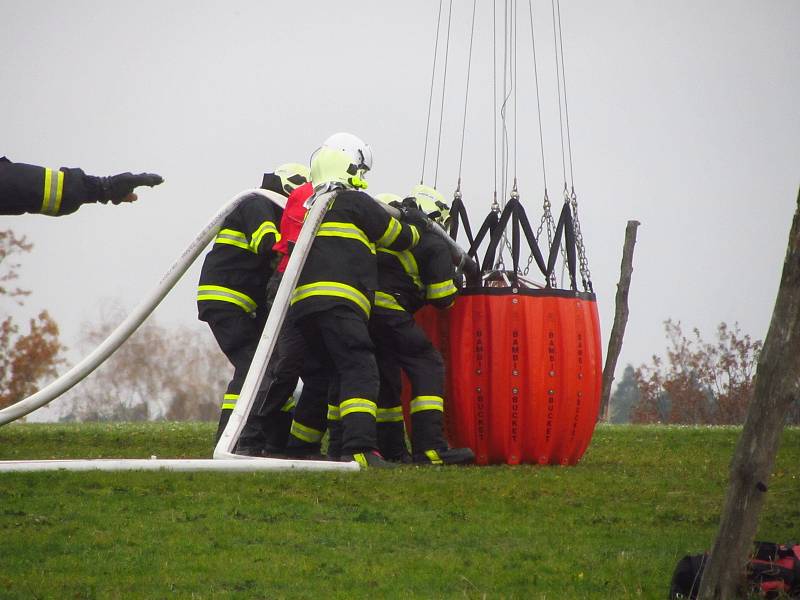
<point>365,158</point>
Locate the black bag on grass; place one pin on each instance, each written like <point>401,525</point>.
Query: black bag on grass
<point>773,569</point>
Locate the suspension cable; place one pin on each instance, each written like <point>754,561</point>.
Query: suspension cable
<point>564,81</point>
<point>538,97</point>
<point>494,99</point>
<point>504,137</point>
<point>466,94</point>
<point>558,86</point>
<point>430,97</point>
<point>444,95</point>
<point>514,62</point>
<point>509,90</point>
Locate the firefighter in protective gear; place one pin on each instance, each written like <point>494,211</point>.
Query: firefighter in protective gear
<point>56,192</point>
<point>287,365</point>
<point>407,281</point>
<point>333,299</point>
<point>232,293</point>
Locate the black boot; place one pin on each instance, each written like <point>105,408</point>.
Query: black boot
<point>334,439</point>
<point>252,439</point>
<point>429,444</point>
<point>370,459</point>
<point>301,450</point>
<point>445,456</point>
<point>392,442</point>
<point>276,432</point>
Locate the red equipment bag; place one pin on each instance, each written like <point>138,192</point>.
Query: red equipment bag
<point>772,572</point>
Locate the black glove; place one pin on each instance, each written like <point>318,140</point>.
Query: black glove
<point>416,217</point>
<point>119,188</point>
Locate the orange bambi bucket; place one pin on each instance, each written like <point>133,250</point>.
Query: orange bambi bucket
<point>524,364</point>
<point>524,373</point>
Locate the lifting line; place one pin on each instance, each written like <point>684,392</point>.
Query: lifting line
<point>430,97</point>
<point>444,89</point>
<point>466,100</point>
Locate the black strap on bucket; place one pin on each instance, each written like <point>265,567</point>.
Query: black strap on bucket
<point>459,214</point>
<point>495,226</point>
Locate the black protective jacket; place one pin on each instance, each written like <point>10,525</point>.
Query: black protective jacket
<point>341,268</point>
<point>236,270</point>
<point>31,189</point>
<point>412,278</point>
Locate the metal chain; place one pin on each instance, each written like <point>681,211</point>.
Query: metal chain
<point>586,275</point>
<point>547,218</point>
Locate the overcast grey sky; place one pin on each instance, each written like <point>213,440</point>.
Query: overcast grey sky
<point>684,115</point>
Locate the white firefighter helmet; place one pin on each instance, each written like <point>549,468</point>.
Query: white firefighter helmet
<point>292,176</point>
<point>342,158</point>
<point>432,203</point>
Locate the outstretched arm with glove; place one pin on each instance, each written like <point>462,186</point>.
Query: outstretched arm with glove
<point>32,189</point>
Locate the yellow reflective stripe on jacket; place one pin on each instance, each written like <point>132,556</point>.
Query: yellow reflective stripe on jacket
<point>440,290</point>
<point>421,403</point>
<point>393,230</point>
<point>266,228</point>
<point>388,301</point>
<point>357,405</point>
<point>345,230</point>
<point>223,294</point>
<point>233,238</point>
<point>408,262</point>
<point>414,235</point>
<point>333,413</point>
<point>332,288</point>
<point>53,191</point>
<point>390,415</point>
<point>307,434</point>
<point>229,401</point>
<point>289,404</point>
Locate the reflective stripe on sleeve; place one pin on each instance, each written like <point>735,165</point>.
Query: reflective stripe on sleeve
<point>333,413</point>
<point>345,230</point>
<point>393,230</point>
<point>390,415</point>
<point>332,288</point>
<point>357,405</point>
<point>223,294</point>
<point>233,238</point>
<point>307,434</point>
<point>52,192</point>
<point>289,404</point>
<point>414,236</point>
<point>408,262</point>
<point>229,401</point>
<point>421,403</point>
<point>387,301</point>
<point>440,290</point>
<point>266,228</point>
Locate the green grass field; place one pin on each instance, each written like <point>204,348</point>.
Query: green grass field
<point>612,527</point>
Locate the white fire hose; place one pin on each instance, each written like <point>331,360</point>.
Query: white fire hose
<point>226,445</point>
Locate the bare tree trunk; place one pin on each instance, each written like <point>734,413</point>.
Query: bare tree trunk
<point>777,385</point>
<point>620,317</point>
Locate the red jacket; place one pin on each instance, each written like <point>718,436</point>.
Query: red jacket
<point>292,222</point>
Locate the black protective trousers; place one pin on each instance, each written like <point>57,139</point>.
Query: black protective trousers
<point>339,343</point>
<point>268,424</point>
<point>401,344</point>
<point>238,334</point>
